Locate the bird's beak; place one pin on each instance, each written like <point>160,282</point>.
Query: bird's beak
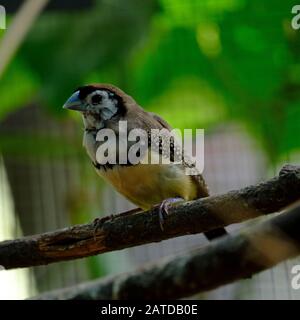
<point>74,103</point>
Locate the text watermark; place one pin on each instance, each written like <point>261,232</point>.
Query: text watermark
<point>157,146</point>
<point>296,19</point>
<point>295,283</point>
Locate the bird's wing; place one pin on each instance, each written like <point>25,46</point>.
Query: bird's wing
<point>161,121</point>
<point>197,178</point>
<point>202,189</point>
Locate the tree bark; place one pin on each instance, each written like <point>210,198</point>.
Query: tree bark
<point>127,231</point>
<point>223,261</point>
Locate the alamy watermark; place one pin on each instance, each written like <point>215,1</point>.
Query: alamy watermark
<point>157,146</point>
<point>2,17</point>
<point>295,283</point>
<point>296,19</point>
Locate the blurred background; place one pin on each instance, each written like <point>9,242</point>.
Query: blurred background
<point>231,67</point>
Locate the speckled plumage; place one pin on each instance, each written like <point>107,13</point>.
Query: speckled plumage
<point>145,185</point>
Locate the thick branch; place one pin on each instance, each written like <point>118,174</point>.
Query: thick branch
<point>224,261</point>
<point>127,231</point>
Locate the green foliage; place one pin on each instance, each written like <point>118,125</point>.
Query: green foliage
<point>197,63</point>
<point>18,85</point>
<point>244,51</point>
<point>258,55</point>
<point>63,49</point>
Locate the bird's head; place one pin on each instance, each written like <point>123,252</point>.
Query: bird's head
<point>97,103</point>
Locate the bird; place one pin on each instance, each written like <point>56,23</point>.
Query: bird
<point>105,106</point>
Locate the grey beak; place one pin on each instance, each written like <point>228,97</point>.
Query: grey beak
<point>74,103</point>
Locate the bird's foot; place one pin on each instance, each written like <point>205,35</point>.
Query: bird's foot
<point>163,210</point>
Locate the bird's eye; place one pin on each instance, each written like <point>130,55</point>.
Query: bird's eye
<point>96,99</point>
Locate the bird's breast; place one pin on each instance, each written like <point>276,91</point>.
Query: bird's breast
<point>149,184</point>
<point>145,184</point>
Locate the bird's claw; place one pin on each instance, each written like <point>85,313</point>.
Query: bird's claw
<point>163,210</point>
<point>162,213</point>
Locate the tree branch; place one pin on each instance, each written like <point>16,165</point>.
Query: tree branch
<point>127,231</point>
<point>224,261</point>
